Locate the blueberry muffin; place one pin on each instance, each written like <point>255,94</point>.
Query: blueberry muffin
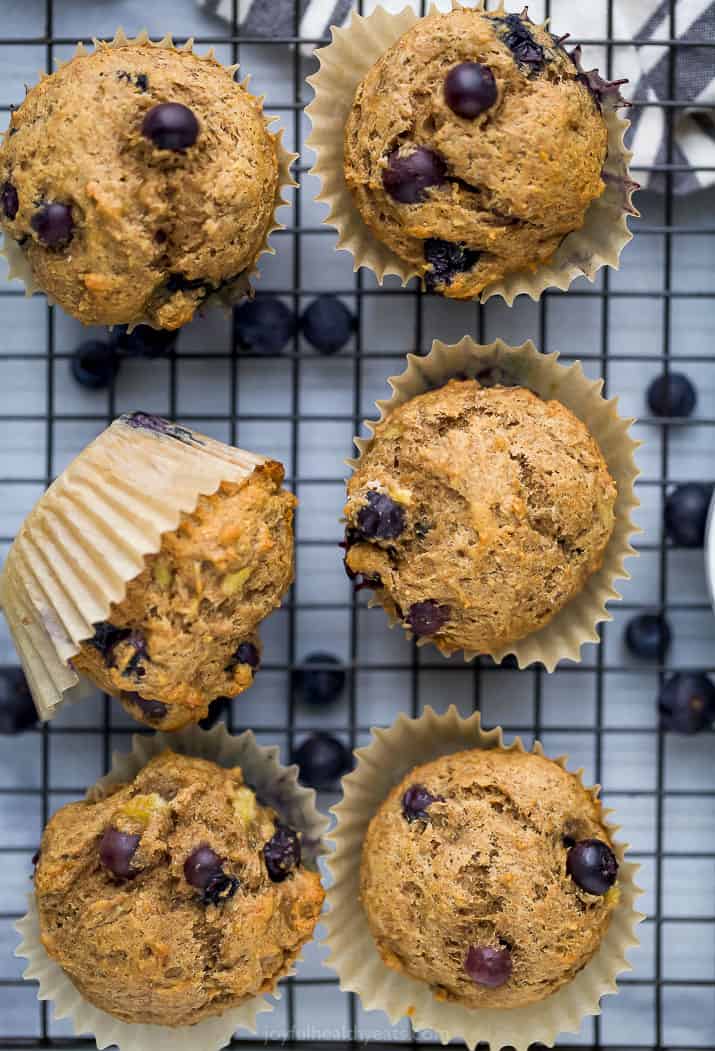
<point>489,875</point>
<point>473,147</point>
<point>185,633</point>
<point>477,512</point>
<point>176,897</point>
<point>138,180</point>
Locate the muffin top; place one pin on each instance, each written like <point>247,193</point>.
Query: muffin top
<point>477,513</point>
<point>176,897</point>
<point>467,880</point>
<point>473,147</point>
<point>186,630</point>
<point>127,212</point>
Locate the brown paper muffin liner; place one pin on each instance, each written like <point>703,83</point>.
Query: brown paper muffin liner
<point>18,265</point>
<point>353,954</point>
<point>88,535</point>
<point>276,785</point>
<point>345,61</point>
<point>576,623</point>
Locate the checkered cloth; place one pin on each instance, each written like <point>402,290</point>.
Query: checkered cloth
<point>647,68</point>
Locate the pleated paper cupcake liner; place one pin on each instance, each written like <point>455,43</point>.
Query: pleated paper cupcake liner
<point>18,265</point>
<point>89,534</point>
<point>354,49</point>
<point>575,624</point>
<point>278,787</point>
<point>391,754</point>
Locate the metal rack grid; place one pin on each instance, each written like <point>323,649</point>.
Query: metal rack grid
<point>303,409</point>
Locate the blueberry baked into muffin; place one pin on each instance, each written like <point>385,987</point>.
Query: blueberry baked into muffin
<point>185,632</point>
<point>476,513</point>
<point>138,180</point>
<point>176,897</point>
<point>474,145</point>
<point>489,875</point>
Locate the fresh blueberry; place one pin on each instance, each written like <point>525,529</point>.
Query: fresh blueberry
<point>203,869</point>
<point>171,126</point>
<point>426,618</point>
<point>687,703</point>
<point>672,394</point>
<point>319,685</point>
<point>116,850</point>
<point>264,326</point>
<point>487,966</point>
<point>106,637</point>
<point>322,760</point>
<point>246,653</point>
<point>470,89</point>
<point>648,636</point>
<point>94,364</point>
<point>520,41</point>
<point>686,514</point>
<point>407,177</point>
<point>9,200</point>
<point>447,259</point>
<point>17,709</point>
<point>381,518</point>
<point>415,802</point>
<point>143,341</point>
<point>282,853</point>
<point>152,711</point>
<point>53,224</point>
<point>592,866</point>
<point>327,324</point>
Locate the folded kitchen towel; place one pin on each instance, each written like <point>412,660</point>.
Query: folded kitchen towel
<point>691,80</point>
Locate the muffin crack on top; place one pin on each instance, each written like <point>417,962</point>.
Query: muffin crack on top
<point>474,145</point>
<point>477,513</point>
<point>138,180</point>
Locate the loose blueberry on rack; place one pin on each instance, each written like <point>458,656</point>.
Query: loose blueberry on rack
<point>426,618</point>
<point>671,394</point>
<point>153,711</point>
<point>9,200</point>
<point>327,324</point>
<point>17,709</point>
<point>648,636</point>
<point>94,364</point>
<point>415,803</point>
<point>322,760</point>
<point>687,703</point>
<point>381,518</point>
<point>686,514</point>
<point>264,326</point>
<point>470,89</point>
<point>321,684</point>
<point>488,966</point>
<point>203,869</point>
<point>53,224</point>
<point>592,865</point>
<point>282,853</point>
<point>171,126</point>
<point>447,259</point>
<point>143,341</point>
<point>407,177</point>
<point>116,850</point>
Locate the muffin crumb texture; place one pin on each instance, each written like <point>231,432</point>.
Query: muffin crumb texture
<point>186,631</point>
<point>477,513</point>
<point>471,893</point>
<point>163,903</point>
<point>138,180</point>
<point>473,147</point>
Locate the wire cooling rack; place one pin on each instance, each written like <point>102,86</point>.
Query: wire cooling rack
<point>655,313</point>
